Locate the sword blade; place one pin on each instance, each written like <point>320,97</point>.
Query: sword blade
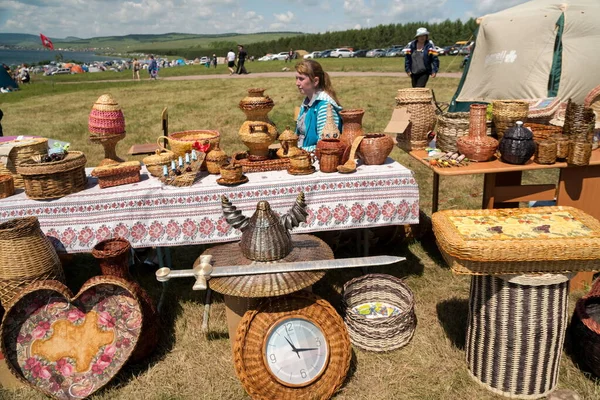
<point>299,266</point>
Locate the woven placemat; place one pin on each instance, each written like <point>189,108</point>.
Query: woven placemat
<point>305,248</point>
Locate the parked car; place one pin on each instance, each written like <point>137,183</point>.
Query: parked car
<point>314,54</point>
<point>466,49</point>
<point>440,51</point>
<point>281,56</point>
<point>325,53</point>
<point>394,52</point>
<point>266,57</point>
<point>451,50</point>
<point>204,60</point>
<point>376,53</point>
<point>61,71</point>
<point>360,53</point>
<point>341,53</point>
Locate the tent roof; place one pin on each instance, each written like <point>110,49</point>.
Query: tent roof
<point>514,49</point>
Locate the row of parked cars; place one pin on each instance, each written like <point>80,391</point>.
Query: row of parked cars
<point>394,51</point>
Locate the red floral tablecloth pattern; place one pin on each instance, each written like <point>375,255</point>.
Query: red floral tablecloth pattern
<point>151,214</point>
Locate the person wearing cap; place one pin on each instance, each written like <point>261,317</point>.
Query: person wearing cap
<point>421,59</point>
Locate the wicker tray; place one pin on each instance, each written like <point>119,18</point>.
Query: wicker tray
<point>517,241</point>
<point>384,333</point>
<point>278,164</point>
<point>20,152</point>
<point>54,179</point>
<point>117,174</point>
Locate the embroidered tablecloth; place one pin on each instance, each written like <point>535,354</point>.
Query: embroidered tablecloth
<point>149,213</point>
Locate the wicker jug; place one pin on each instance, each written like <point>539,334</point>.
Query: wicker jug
<point>256,106</point>
<point>477,146</point>
<point>26,256</point>
<point>419,103</point>
<point>113,257</point>
<point>215,159</point>
<point>289,144</point>
<point>265,235</point>
<point>352,125</point>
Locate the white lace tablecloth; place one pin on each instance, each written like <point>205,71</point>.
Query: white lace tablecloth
<point>149,213</point>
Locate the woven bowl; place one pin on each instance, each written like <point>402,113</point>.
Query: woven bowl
<point>182,142</point>
<point>385,333</point>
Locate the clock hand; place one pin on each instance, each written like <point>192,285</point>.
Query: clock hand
<point>293,347</point>
<point>307,349</point>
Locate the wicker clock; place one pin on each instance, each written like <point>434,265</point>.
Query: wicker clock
<point>292,347</point>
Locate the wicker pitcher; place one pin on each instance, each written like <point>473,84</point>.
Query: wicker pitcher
<point>215,159</point>
<point>477,146</point>
<point>419,103</point>
<point>289,144</point>
<point>256,106</point>
<point>352,125</point>
<point>113,257</point>
<point>26,256</point>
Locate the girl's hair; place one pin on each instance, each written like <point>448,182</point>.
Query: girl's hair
<point>313,70</point>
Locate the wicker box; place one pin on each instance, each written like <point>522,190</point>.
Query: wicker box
<point>16,152</point>
<point>516,331</point>
<point>117,174</point>
<point>52,180</point>
<point>518,240</point>
<point>377,292</point>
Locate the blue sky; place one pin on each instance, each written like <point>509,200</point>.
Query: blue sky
<point>90,18</point>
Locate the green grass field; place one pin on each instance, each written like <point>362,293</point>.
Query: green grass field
<point>188,365</point>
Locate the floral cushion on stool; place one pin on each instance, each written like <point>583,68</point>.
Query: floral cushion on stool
<point>69,346</point>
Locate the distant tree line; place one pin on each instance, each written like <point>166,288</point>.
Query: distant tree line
<point>443,34</point>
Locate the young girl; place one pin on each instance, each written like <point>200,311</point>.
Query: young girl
<point>315,84</point>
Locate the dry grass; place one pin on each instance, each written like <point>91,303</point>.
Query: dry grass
<point>188,365</point>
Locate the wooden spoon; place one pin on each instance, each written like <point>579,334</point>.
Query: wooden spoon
<point>350,165</point>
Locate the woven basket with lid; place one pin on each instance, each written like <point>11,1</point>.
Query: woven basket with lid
<point>154,163</point>
<point>20,151</point>
<point>215,159</point>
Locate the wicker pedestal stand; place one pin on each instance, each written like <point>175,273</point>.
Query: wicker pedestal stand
<point>244,292</point>
<point>110,148</point>
<point>522,260</point>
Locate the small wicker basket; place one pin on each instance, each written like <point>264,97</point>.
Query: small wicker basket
<point>330,159</point>
<point>55,179</point>
<point>579,153</point>
<point>545,152</point>
<point>117,174</point>
<point>562,146</point>
<point>385,333</point>
<point>7,185</point>
<point>278,164</point>
<point>154,163</point>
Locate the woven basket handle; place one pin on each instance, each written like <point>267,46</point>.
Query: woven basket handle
<point>436,103</point>
<point>162,139</point>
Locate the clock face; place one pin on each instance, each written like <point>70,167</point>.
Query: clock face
<point>295,351</point>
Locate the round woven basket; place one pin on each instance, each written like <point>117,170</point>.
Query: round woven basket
<point>545,152</point>
<point>562,146</point>
<point>542,132</point>
<point>22,151</point>
<point>182,142</point>
<point>154,163</point>
<point>26,256</point>
<point>379,334</point>
<point>505,113</point>
<point>330,159</point>
<point>419,103</point>
<point>579,153</point>
<point>585,330</point>
<point>55,179</point>
<point>451,126</point>
<point>7,185</point>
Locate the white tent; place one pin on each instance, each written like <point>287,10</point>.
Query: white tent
<point>539,49</point>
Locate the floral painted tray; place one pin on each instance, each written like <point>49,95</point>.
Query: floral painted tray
<point>376,309</point>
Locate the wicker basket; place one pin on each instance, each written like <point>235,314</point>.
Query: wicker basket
<point>451,126</point>
<point>21,151</point>
<point>26,256</point>
<point>516,332</point>
<point>579,122</point>
<point>385,333</point>
<point>543,132</point>
<point>117,174</point>
<point>419,103</point>
<point>56,179</point>
<point>231,172</point>
<point>7,185</point>
<point>505,113</point>
<point>182,142</point>
<point>545,152</point>
<point>585,330</point>
<point>579,153</point>
<point>154,163</point>
<point>278,164</point>
<point>330,159</point>
<point>562,146</point>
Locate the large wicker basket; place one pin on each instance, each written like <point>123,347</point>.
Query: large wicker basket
<point>384,333</point>
<point>56,179</point>
<point>419,103</point>
<point>20,151</point>
<point>451,126</point>
<point>182,142</point>
<point>26,256</point>
<point>584,330</point>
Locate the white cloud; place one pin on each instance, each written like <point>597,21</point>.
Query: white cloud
<point>285,18</point>
<point>357,8</point>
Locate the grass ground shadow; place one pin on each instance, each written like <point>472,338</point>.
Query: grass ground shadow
<point>453,315</point>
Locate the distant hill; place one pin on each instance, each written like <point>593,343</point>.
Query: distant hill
<point>134,42</point>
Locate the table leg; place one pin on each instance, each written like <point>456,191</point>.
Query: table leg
<point>492,183</point>
<point>435,192</point>
<point>161,263</point>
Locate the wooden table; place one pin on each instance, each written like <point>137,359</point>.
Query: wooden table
<point>577,187</point>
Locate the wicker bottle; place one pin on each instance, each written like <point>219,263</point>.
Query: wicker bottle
<point>517,146</point>
<point>113,257</point>
<point>215,159</point>
<point>477,146</point>
<point>419,103</point>
<point>289,144</point>
<point>26,256</point>
<point>375,148</point>
<point>352,125</point>
<point>256,106</point>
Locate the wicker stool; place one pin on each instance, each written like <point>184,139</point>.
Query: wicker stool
<point>522,260</point>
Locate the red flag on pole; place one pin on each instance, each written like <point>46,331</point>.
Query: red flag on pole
<point>46,42</point>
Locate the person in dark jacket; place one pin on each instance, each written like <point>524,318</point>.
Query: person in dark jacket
<point>241,59</point>
<point>421,60</point>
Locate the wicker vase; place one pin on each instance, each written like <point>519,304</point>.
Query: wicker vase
<point>419,103</point>
<point>375,148</point>
<point>505,113</point>
<point>26,256</point>
<point>477,146</point>
<point>352,125</point>
<point>329,144</point>
<point>256,106</point>
<point>113,257</point>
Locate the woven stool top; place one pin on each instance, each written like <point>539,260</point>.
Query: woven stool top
<point>523,239</point>
<point>304,248</point>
